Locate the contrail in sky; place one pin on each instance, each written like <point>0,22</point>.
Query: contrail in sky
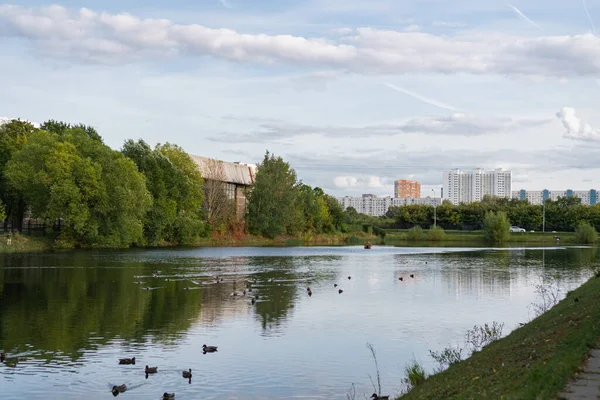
<point>590,17</point>
<point>424,99</point>
<point>225,3</point>
<point>520,14</point>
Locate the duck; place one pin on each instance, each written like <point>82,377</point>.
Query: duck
<point>253,301</point>
<point>127,360</point>
<point>349,277</point>
<point>335,285</point>
<point>187,374</point>
<point>401,279</point>
<point>151,370</point>
<point>376,397</point>
<point>118,389</point>
<point>412,275</point>
<point>2,357</point>
<point>309,293</point>
<point>256,296</point>
<point>168,396</point>
<point>340,291</point>
<point>209,349</point>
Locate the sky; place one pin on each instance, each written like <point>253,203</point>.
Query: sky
<point>353,94</point>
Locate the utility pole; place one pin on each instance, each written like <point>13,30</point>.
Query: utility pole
<point>434,210</point>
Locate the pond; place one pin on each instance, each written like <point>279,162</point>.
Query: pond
<point>67,318</point>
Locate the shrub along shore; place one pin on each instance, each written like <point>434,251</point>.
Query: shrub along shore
<point>535,361</point>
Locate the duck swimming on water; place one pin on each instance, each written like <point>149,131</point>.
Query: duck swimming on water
<point>127,360</point>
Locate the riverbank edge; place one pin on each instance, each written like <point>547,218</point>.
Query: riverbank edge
<point>535,361</point>
<point>40,244</point>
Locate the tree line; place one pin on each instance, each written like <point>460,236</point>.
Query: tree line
<point>564,214</point>
<point>145,196</point>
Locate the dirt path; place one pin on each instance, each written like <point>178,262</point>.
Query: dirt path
<point>587,383</point>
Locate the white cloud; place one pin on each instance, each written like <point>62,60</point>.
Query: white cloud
<point>576,128</point>
<point>360,182</point>
<point>344,182</point>
<point>118,38</point>
<point>456,124</point>
<point>412,28</point>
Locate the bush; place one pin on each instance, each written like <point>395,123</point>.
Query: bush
<point>416,233</point>
<point>496,227</point>
<point>436,234</point>
<point>447,357</point>
<point>414,373</point>
<point>586,233</point>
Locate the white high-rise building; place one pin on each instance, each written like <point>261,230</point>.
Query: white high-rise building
<point>378,206</point>
<point>469,186</point>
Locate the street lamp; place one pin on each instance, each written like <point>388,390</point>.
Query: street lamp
<point>434,210</point>
<point>543,216</point>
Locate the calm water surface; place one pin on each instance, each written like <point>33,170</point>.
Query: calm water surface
<point>66,319</point>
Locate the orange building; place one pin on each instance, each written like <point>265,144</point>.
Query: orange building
<point>404,189</point>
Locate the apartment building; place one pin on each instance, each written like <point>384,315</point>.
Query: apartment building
<point>470,186</point>
<point>378,206</point>
<point>588,197</point>
<point>404,189</point>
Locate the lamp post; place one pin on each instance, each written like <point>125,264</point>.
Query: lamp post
<point>434,210</point>
<point>543,216</point>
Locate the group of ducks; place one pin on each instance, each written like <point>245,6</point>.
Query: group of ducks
<point>401,278</point>
<point>118,389</point>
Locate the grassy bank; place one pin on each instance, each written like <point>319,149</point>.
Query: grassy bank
<point>312,240</point>
<point>25,244</point>
<point>400,236</point>
<point>534,362</point>
<point>33,244</point>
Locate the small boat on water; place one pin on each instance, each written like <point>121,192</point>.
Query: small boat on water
<point>368,245</point>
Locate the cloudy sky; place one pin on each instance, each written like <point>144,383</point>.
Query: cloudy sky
<point>354,94</point>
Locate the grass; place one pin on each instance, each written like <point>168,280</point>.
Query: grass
<point>534,362</point>
<point>25,244</point>
<point>414,373</point>
<point>402,235</point>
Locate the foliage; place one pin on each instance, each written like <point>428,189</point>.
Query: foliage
<point>280,205</point>
<point>13,136</point>
<point>272,207</point>
<point>447,357</point>
<point>94,190</point>
<point>496,227</point>
<point>176,187</point>
<point>436,234</point>
<point>416,233</point>
<point>535,361</point>
<point>549,294</point>
<point>414,373</point>
<point>563,215</point>
<point>374,356</point>
<point>586,233</point>
<point>481,336</point>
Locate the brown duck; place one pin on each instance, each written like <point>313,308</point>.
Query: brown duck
<point>127,360</point>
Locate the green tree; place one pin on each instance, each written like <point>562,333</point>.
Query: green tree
<point>175,185</point>
<point>273,199</point>
<point>13,136</point>
<point>586,233</point>
<point>496,227</point>
<point>96,191</point>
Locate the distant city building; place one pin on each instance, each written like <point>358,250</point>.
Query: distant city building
<point>378,206</point>
<point>369,196</point>
<point>470,186</point>
<point>588,197</point>
<point>404,189</point>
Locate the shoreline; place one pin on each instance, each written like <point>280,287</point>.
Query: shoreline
<point>535,361</point>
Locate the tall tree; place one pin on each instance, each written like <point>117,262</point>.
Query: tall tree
<point>272,203</point>
<point>13,136</point>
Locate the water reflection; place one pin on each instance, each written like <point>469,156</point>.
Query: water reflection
<point>80,312</point>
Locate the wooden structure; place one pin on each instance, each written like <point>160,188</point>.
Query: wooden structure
<point>226,181</point>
